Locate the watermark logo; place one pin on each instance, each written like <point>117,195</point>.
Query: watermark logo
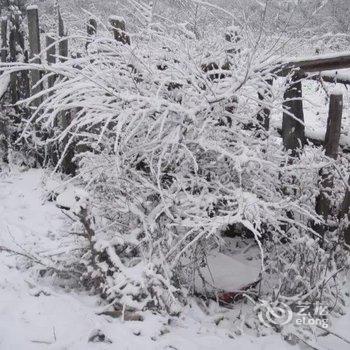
<point>280,314</point>
<point>277,314</point>
<point>312,315</point>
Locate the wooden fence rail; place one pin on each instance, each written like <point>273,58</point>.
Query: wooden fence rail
<point>315,64</point>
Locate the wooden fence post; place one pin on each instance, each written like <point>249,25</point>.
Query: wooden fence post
<point>4,43</point>
<point>3,126</point>
<point>344,215</point>
<point>23,81</point>
<point>20,33</point>
<point>91,30</point>
<point>118,26</point>
<point>13,39</point>
<point>264,94</point>
<point>35,49</point>
<point>334,125</point>
<point>50,57</point>
<point>293,128</point>
<point>65,118</point>
<point>63,43</point>
<point>323,202</point>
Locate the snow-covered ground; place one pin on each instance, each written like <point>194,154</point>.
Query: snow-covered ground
<point>38,314</point>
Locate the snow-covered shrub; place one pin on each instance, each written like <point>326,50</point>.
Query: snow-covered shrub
<point>303,268</point>
<point>171,150</point>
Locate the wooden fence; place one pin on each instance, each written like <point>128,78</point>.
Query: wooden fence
<point>293,127</point>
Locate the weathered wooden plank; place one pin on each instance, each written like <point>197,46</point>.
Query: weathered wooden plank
<point>50,56</point>
<point>65,118</point>
<point>3,123</point>
<point>264,94</point>
<point>332,77</point>
<point>35,49</point>
<point>344,215</point>
<point>293,127</point>
<point>14,91</point>
<point>334,125</point>
<point>4,43</point>
<point>25,80</point>
<point>50,49</point>
<point>63,43</point>
<point>315,64</point>
<point>324,205</point>
<point>34,32</point>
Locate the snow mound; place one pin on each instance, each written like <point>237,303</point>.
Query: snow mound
<point>72,198</point>
<point>226,273</point>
